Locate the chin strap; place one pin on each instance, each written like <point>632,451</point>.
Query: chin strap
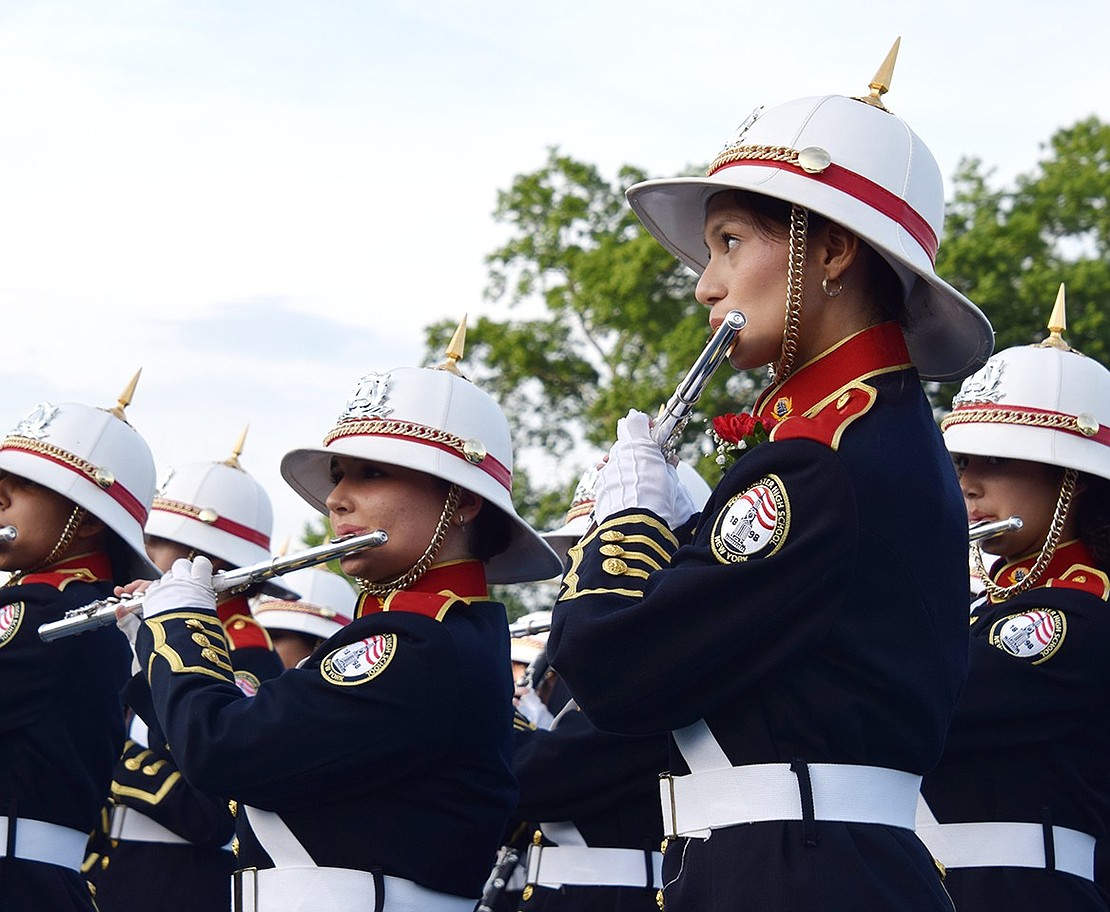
<point>410,576</point>
<point>60,546</point>
<point>1048,549</point>
<point>795,285</point>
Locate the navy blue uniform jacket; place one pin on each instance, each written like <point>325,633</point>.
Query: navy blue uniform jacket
<point>818,612</point>
<point>1030,742</point>
<point>61,722</point>
<point>388,750</point>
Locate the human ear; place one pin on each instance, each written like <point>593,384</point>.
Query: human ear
<point>838,249</point>
<point>470,505</point>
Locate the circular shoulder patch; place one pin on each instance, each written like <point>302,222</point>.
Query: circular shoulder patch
<point>11,616</point>
<point>359,662</point>
<point>1036,634</point>
<point>247,682</point>
<point>754,523</point>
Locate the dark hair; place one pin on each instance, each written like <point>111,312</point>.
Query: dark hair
<point>771,217</point>
<point>1092,517</point>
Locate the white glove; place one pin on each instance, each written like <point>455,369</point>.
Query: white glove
<point>130,624</point>
<point>534,710</point>
<point>187,585</point>
<point>637,475</point>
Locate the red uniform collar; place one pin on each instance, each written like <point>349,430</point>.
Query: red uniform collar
<point>875,350</point>
<point>465,579</point>
<point>86,568</point>
<point>1072,566</point>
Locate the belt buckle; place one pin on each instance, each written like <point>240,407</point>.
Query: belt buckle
<point>237,897</point>
<point>673,816</point>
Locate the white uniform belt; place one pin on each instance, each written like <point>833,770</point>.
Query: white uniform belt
<point>711,799</point>
<point>310,889</point>
<point>1008,845</point>
<point>557,866</point>
<point>135,826</point>
<point>37,840</point>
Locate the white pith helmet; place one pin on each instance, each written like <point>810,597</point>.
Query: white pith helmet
<point>326,605</point>
<point>577,521</point>
<point>858,165</point>
<point>1043,403</point>
<point>94,458</point>
<point>215,508</point>
<point>431,420</point>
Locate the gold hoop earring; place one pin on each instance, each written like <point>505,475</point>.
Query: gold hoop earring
<point>831,289</point>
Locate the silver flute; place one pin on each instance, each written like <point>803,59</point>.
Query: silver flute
<point>984,530</point>
<point>8,533</point>
<point>103,612</point>
<point>676,411</point>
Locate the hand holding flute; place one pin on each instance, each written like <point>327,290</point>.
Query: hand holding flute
<point>639,470</point>
<point>105,611</point>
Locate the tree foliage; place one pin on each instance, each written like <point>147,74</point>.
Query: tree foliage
<point>600,318</point>
<point>1008,249</point>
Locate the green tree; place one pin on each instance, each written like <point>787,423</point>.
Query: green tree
<point>1008,249</point>
<point>601,319</point>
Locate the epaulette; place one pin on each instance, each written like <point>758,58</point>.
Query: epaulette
<point>827,421</point>
<point>1083,577</point>
<point>242,630</point>
<point>433,605</point>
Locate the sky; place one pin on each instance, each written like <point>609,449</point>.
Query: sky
<point>258,202</point>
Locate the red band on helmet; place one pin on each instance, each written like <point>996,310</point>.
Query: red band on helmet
<point>866,191</point>
<point>487,464</point>
<point>115,490</point>
<point>162,505</point>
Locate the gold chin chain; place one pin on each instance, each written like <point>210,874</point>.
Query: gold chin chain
<point>63,542</point>
<point>1055,530</point>
<point>795,285</point>
<point>410,576</point>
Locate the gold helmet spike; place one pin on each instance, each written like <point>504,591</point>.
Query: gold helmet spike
<point>1057,323</point>
<point>880,84</point>
<point>125,397</point>
<point>237,450</point>
<point>455,350</point>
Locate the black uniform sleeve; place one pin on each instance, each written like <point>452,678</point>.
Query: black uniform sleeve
<point>147,780</point>
<point>575,770</point>
<point>657,638</point>
<point>310,727</point>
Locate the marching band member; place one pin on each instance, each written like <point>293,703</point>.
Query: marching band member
<point>297,628</point>
<point>805,642</point>
<point>76,483</point>
<point>596,793</point>
<point>1023,788</point>
<point>377,774</point>
<point>168,844</point>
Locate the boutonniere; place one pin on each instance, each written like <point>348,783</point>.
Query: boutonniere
<point>733,434</point>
